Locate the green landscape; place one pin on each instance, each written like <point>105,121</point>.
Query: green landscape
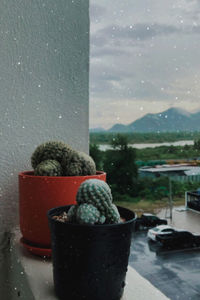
<point>137,137</point>
<point>121,164</point>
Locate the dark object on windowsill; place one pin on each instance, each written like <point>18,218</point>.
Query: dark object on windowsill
<point>179,239</point>
<point>147,221</point>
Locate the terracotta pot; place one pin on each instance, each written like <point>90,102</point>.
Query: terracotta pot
<point>38,194</point>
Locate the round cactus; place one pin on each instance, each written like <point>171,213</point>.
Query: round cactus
<point>48,167</point>
<point>80,164</point>
<point>71,214</point>
<point>71,162</point>
<point>96,192</point>
<point>87,214</point>
<point>95,205</point>
<point>52,150</point>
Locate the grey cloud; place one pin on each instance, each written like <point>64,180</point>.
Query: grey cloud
<point>140,31</point>
<point>96,11</point>
<point>192,10</point>
<point>150,91</point>
<point>107,51</point>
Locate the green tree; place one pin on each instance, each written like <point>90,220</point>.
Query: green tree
<point>96,154</point>
<point>120,166</point>
<point>197,144</point>
<point>120,142</point>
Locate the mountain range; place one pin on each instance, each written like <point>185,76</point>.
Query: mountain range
<point>172,120</point>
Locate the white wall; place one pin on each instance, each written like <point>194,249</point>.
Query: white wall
<point>44,57</point>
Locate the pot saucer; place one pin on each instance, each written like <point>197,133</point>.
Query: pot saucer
<point>37,250</point>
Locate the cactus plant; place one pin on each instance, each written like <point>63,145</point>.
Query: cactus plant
<point>52,150</point>
<point>95,205</point>
<point>48,167</point>
<point>58,159</point>
<point>80,164</point>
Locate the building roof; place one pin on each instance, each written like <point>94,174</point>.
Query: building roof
<point>188,170</point>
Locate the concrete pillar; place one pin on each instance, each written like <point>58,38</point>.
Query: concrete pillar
<point>44,58</point>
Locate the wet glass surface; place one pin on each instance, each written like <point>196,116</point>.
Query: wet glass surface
<point>174,272</point>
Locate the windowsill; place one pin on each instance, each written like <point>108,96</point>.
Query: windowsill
<point>38,273</point>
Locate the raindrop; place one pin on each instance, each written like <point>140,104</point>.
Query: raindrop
<point>39,85</point>
<point>60,116</point>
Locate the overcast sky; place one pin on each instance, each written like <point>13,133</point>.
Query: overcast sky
<point>144,57</point>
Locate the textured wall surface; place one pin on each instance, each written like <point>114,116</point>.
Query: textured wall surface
<point>44,57</point>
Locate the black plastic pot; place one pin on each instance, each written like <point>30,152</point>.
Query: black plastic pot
<point>90,261</point>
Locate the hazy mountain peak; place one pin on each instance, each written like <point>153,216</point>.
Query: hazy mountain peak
<point>171,120</point>
<point>178,110</point>
<point>97,129</point>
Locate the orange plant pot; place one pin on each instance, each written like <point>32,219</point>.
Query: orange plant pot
<point>38,194</point>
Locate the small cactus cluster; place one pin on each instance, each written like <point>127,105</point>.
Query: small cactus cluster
<point>58,159</point>
<point>94,204</point>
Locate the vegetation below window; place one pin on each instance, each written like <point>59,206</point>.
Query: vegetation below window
<point>121,164</point>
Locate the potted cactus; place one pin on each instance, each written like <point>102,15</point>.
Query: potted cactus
<point>90,245</point>
<point>58,172</point>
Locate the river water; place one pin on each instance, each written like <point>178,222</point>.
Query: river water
<point>150,145</point>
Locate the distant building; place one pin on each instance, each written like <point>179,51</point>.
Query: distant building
<point>169,170</point>
<point>192,200</point>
